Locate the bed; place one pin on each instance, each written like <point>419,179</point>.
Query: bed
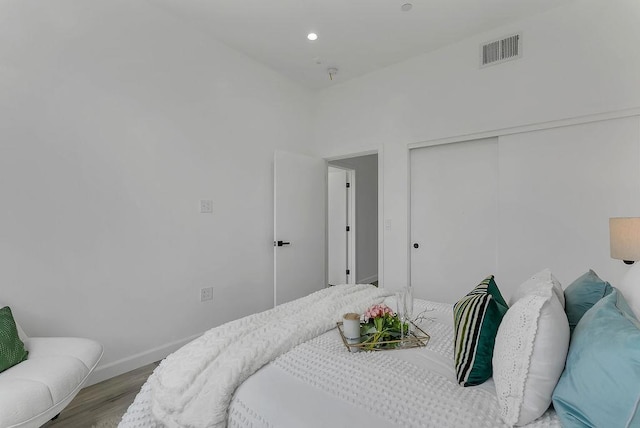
<point>319,383</point>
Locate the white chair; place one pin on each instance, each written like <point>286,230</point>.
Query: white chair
<point>37,389</point>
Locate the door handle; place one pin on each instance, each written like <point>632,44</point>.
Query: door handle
<point>280,243</point>
<point>416,245</point>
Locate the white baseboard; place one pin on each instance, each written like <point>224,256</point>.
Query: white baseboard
<point>107,371</point>
<point>368,280</point>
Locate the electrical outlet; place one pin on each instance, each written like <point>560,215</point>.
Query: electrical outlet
<point>206,206</point>
<point>206,293</point>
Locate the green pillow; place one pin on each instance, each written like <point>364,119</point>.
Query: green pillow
<point>12,349</point>
<point>582,294</point>
<point>476,318</point>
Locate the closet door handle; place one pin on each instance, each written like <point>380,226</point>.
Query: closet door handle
<point>281,243</point>
<point>416,245</point>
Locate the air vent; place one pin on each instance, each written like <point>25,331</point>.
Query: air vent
<point>498,51</point>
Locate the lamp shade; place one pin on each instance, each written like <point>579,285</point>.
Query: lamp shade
<point>624,236</point>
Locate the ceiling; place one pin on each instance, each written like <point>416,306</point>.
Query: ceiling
<point>354,36</point>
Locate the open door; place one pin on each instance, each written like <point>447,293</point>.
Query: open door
<point>338,227</point>
<point>300,224</point>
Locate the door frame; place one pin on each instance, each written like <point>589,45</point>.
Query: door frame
<point>351,223</point>
<point>380,152</point>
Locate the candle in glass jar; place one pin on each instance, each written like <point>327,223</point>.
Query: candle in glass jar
<point>351,325</point>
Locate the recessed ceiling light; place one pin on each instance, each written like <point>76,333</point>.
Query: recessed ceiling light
<point>312,36</point>
<point>406,7</point>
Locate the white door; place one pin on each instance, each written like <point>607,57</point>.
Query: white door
<point>337,226</point>
<point>454,212</point>
<point>300,194</point>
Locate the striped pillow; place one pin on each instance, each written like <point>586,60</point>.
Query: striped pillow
<point>476,318</point>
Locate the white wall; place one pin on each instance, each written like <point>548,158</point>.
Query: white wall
<point>366,185</point>
<point>557,189</point>
<point>579,59</point>
<point>116,119</point>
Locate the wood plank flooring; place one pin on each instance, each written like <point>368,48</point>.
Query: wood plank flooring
<point>103,400</point>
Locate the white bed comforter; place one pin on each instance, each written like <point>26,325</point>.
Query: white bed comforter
<point>320,384</point>
<point>193,386</point>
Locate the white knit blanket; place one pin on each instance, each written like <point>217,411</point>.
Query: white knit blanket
<point>193,386</point>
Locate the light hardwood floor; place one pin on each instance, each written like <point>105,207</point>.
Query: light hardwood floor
<point>103,400</point>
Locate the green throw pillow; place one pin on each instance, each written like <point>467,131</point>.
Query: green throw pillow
<point>582,294</point>
<point>476,318</point>
<point>12,349</point>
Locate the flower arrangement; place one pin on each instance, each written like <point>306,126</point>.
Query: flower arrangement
<point>381,328</point>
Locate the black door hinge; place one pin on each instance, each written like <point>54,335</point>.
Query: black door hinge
<point>348,229</point>
<point>348,272</point>
<point>348,185</point>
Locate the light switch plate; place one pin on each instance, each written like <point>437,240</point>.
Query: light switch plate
<point>206,206</point>
<point>206,293</point>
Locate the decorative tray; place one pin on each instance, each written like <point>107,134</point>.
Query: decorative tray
<point>417,339</point>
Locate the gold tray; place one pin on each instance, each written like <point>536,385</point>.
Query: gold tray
<point>417,339</point>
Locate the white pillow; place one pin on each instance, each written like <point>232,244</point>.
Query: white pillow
<point>529,355</point>
<point>543,277</point>
<point>630,288</point>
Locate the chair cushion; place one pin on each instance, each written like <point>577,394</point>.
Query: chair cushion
<point>22,399</point>
<point>85,350</point>
<point>12,350</point>
<point>38,388</point>
<point>476,318</point>
<point>61,374</point>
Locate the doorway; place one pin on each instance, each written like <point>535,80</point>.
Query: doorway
<point>353,225</point>
<point>341,226</point>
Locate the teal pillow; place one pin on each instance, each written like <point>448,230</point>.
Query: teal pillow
<point>12,349</point>
<point>600,383</point>
<point>582,294</point>
<point>476,318</point>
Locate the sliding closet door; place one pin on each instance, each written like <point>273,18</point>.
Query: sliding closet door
<point>558,188</point>
<point>453,217</point>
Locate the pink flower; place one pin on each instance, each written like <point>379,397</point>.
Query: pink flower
<point>377,311</point>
